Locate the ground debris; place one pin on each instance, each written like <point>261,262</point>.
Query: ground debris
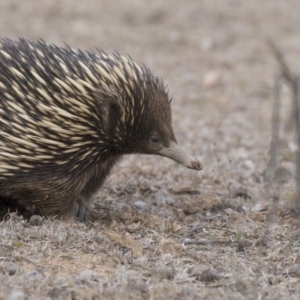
<point>204,273</point>
<point>198,203</point>
<point>169,246</point>
<point>126,241</point>
<point>184,189</point>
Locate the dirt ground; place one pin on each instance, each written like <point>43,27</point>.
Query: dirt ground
<point>158,230</point>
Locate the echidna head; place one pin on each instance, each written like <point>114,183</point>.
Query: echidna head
<point>141,120</point>
<point>158,136</point>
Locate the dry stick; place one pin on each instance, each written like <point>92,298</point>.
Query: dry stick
<point>297,128</point>
<point>205,242</point>
<point>199,226</point>
<point>284,69</point>
<point>274,155</point>
<point>7,246</point>
<point>195,228</point>
<point>293,81</point>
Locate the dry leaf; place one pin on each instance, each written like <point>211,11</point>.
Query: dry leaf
<point>147,219</point>
<point>169,246</point>
<point>199,203</point>
<point>257,216</point>
<point>184,189</point>
<point>126,241</point>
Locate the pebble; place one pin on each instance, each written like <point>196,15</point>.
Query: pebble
<point>11,268</point>
<point>141,205</point>
<point>36,220</point>
<point>88,275</point>
<point>17,295</point>
<point>212,79</point>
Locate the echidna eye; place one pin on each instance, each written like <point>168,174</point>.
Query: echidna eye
<point>155,140</point>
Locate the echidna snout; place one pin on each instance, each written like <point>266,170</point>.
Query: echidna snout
<point>180,155</point>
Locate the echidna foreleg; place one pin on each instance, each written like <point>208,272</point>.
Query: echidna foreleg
<point>80,209</point>
<point>94,180</point>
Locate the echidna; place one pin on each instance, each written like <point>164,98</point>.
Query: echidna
<point>67,116</point>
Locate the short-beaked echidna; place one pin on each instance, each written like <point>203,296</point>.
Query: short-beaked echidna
<point>67,116</point>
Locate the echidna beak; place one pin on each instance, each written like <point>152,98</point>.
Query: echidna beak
<point>179,155</point>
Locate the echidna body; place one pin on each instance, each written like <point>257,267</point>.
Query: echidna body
<point>67,116</point>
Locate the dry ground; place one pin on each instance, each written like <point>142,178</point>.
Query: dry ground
<point>160,231</point>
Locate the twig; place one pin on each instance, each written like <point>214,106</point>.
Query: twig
<point>213,227</point>
<point>197,227</point>
<point>204,242</point>
<point>293,81</point>
<point>274,155</point>
<point>101,206</point>
<point>27,260</point>
<point>7,246</point>
<point>284,69</point>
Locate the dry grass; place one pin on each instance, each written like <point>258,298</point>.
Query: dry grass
<point>159,231</point>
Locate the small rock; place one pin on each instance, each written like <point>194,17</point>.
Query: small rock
<point>240,193</point>
<point>140,205</point>
<point>262,241</point>
<point>211,79</point>
<point>12,269</point>
<point>17,295</point>
<point>36,273</point>
<point>36,220</point>
<point>243,244</point>
<point>197,270</point>
<point>294,271</point>
<point>250,165</point>
<point>207,44</point>
<point>88,275</point>
<point>209,276</point>
<point>204,273</point>
<point>165,272</point>
<point>260,207</point>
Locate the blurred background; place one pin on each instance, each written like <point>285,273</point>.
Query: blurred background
<point>195,45</point>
